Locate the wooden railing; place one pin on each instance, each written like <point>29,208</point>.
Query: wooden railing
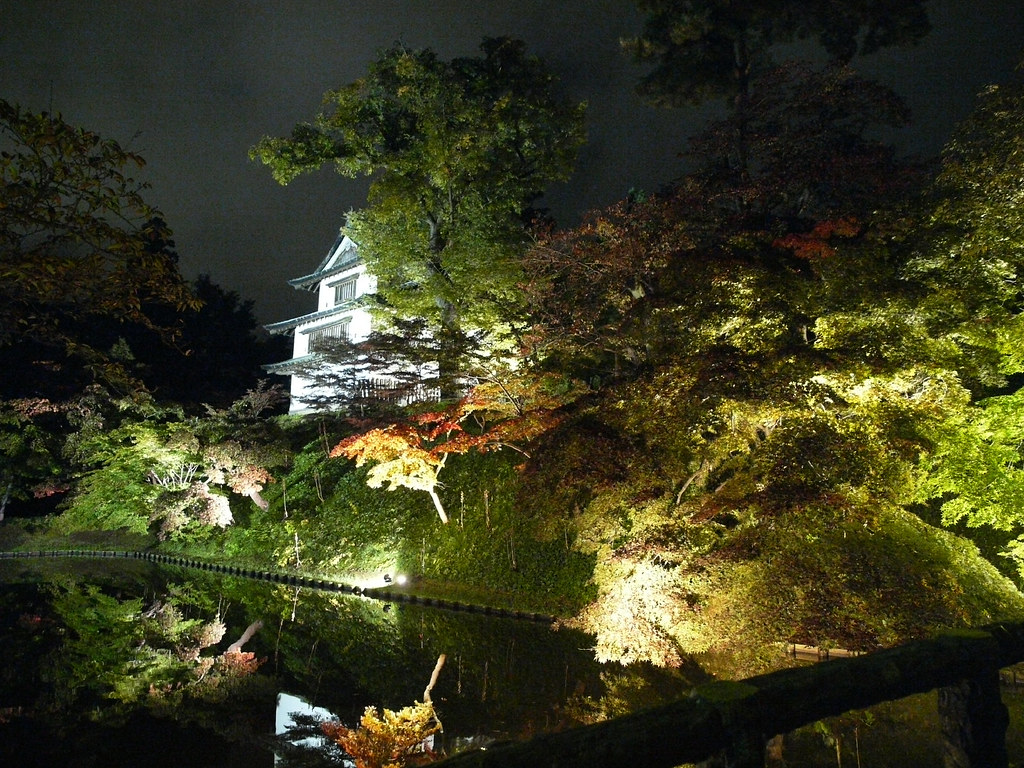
<point>389,390</point>
<point>734,720</point>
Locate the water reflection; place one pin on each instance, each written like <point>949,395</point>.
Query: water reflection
<point>107,662</point>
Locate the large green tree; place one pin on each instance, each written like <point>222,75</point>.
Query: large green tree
<point>457,151</point>
<point>970,258</point>
<point>78,243</point>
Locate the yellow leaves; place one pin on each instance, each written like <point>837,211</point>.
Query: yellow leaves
<point>388,739</point>
<point>375,445</point>
<point>415,472</point>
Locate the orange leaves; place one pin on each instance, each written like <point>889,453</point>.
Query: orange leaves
<point>412,454</point>
<point>429,437</point>
<point>385,444</point>
<point>238,664</point>
<point>815,244</point>
<point>386,740</point>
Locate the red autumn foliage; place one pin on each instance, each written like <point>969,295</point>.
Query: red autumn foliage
<point>411,454</point>
<point>816,243</point>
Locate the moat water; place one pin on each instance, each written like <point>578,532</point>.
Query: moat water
<point>126,663</point>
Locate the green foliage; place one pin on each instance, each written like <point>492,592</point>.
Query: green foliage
<point>119,654</point>
<point>860,579</point>
<point>970,260</point>
<point>741,263</point>
<point>971,251</point>
<point>151,465</point>
<point>975,473</point>
<point>346,529</point>
<point>791,371</point>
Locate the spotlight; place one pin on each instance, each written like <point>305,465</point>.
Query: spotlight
<point>400,580</point>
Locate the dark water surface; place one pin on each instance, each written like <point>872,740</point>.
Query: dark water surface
<point>122,663</point>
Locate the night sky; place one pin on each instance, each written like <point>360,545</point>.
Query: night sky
<point>192,85</point>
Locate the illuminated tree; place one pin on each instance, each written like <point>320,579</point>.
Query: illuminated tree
<point>156,466</point>
<point>784,348</point>
<point>970,259</point>
<point>970,256</point>
<point>726,258</point>
<point>456,151</point>
<point>388,739</point>
<point>411,454</point>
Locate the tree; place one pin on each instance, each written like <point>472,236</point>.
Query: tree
<point>810,152</point>
<point>217,355</point>
<point>703,49</point>
<point>387,740</point>
<point>970,255</point>
<point>970,259</point>
<point>785,352</point>
<point>155,466</point>
<point>78,243</point>
<point>456,150</point>
<point>707,49</point>
<point>412,453</point>
<point>727,254</point>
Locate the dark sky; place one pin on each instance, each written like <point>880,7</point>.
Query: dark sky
<point>192,85</point>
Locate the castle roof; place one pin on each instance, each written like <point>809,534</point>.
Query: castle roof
<point>342,255</point>
<point>284,326</point>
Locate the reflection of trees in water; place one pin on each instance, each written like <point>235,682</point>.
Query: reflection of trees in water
<point>93,675</point>
<point>78,652</point>
<point>502,678</point>
<point>157,655</point>
<point>145,647</point>
<point>383,738</point>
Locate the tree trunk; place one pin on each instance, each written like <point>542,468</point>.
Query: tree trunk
<point>252,629</point>
<point>437,505</point>
<point>448,367</point>
<point>741,102</point>
<point>433,678</point>
<point>259,500</point>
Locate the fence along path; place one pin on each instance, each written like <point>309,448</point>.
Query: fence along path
<point>735,720</point>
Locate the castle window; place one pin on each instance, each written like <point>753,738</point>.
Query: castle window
<point>345,290</point>
<point>318,337</point>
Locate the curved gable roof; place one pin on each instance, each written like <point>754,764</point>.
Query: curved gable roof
<point>344,254</point>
